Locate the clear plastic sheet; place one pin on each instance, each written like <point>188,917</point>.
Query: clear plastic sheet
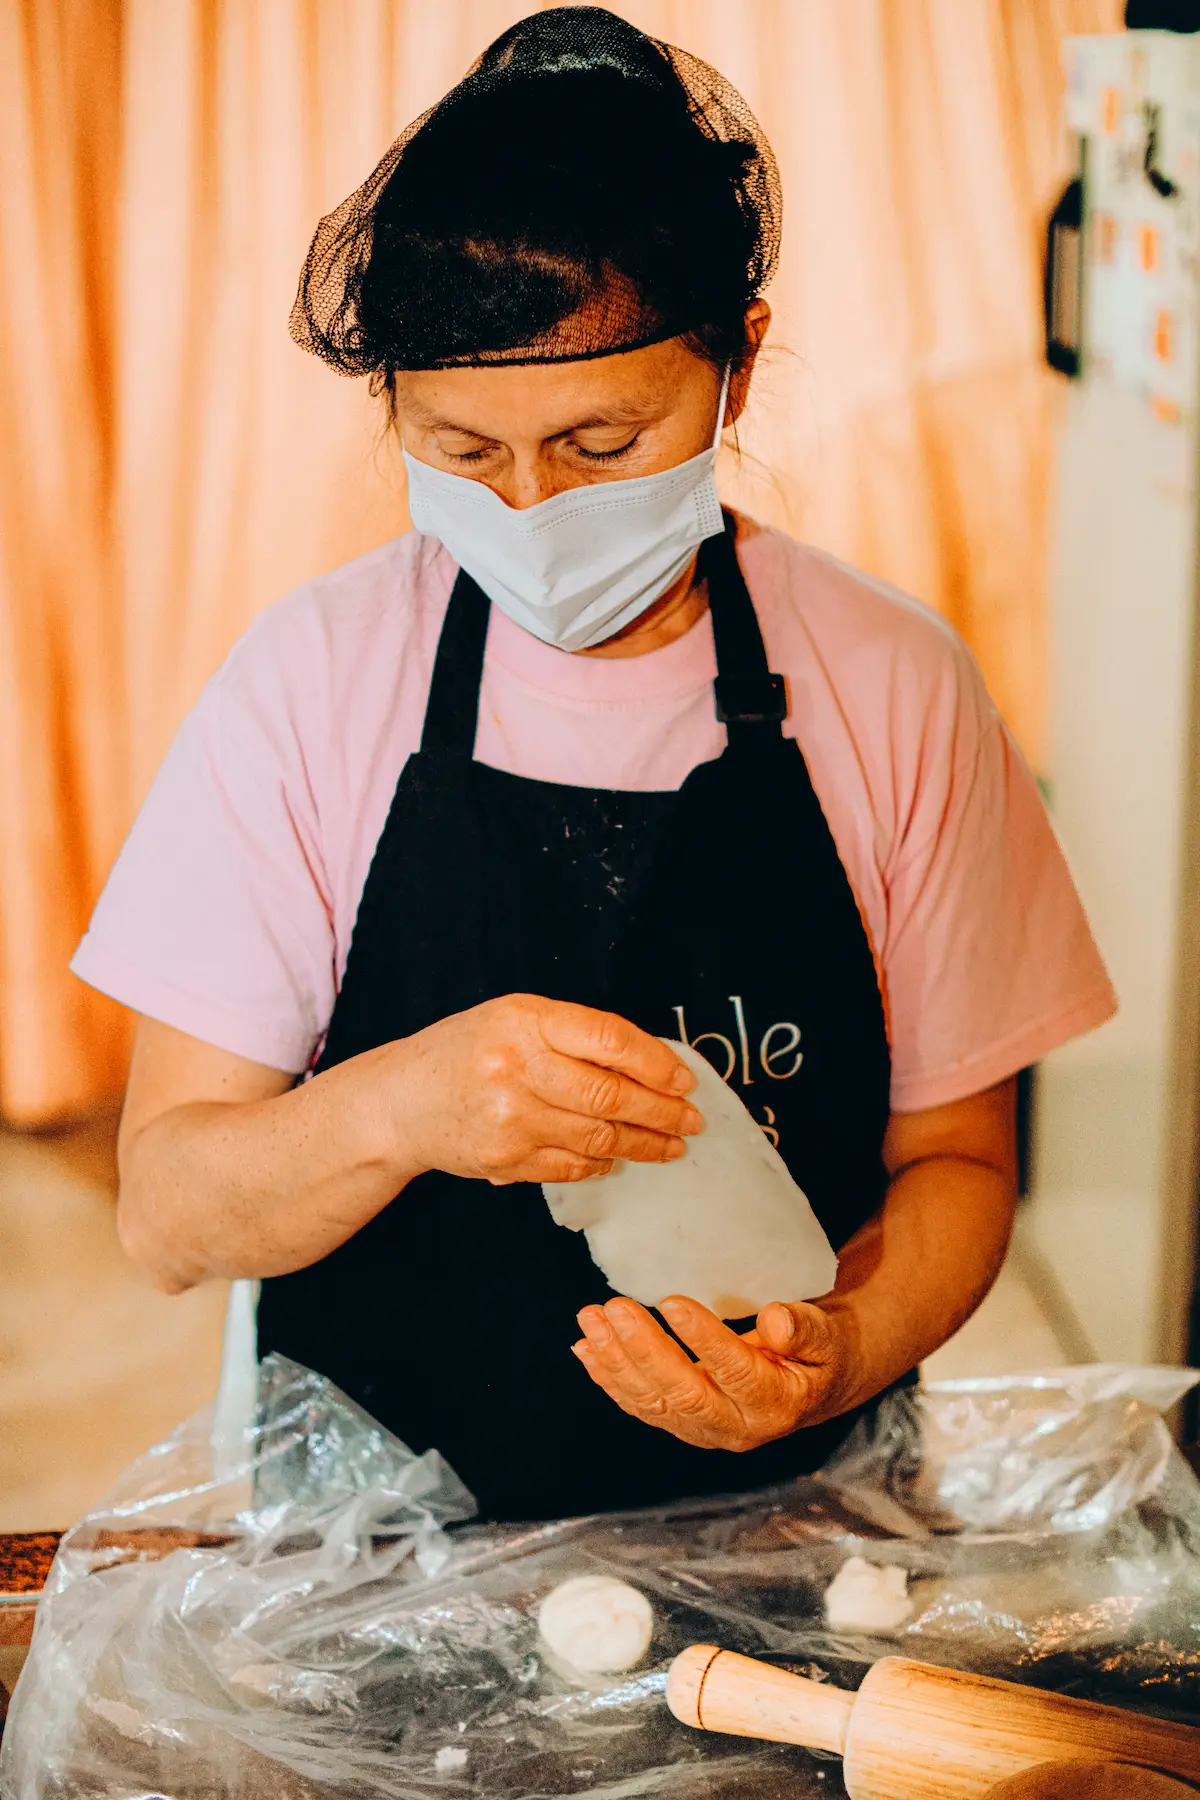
<point>332,1624</point>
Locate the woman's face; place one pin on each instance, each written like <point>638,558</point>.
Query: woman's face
<point>531,430</point>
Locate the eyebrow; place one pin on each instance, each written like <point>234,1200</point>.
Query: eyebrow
<point>631,414</point>
<point>619,415</point>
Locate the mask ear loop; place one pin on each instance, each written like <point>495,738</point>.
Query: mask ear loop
<point>716,443</point>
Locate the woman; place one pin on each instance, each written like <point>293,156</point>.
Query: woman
<point>459,831</point>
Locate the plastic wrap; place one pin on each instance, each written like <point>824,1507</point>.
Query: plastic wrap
<point>331,1627</point>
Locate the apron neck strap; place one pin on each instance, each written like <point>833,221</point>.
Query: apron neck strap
<point>751,701</point>
<point>452,710</point>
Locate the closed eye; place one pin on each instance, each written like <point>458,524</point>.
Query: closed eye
<point>605,456</point>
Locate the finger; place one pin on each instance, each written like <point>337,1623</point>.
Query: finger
<point>737,1368</point>
<point>550,1164</point>
<point>652,1386</point>
<point>608,1350</point>
<point>612,1385</point>
<point>634,1341</point>
<point>615,1043</point>
<point>603,1140</point>
<point>607,1363</point>
<point>595,1092</point>
<point>800,1333</point>
<point>709,1421</point>
<point>651,1367</point>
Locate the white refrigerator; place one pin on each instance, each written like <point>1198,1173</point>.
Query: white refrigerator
<point>1111,1215</point>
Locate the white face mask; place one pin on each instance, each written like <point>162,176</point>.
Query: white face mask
<point>577,568</point>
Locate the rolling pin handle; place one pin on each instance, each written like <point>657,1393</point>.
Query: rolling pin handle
<point>685,1682</point>
<point>718,1690</point>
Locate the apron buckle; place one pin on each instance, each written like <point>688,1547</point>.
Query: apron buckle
<point>751,699</point>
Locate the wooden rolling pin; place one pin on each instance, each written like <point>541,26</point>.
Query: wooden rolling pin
<point>913,1730</point>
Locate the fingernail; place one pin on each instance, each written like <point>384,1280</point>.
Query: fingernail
<point>785,1326</point>
<point>693,1121</point>
<point>580,1350</point>
<point>674,1311</point>
<point>683,1081</point>
<point>594,1326</point>
<point>675,1149</point>
<point>624,1319</point>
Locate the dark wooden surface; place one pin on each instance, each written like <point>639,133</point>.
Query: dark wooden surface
<point>25,1558</point>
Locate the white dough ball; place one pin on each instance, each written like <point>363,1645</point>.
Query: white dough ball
<point>867,1596</point>
<point>596,1623</point>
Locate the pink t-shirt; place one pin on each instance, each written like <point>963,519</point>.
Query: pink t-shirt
<point>229,911</point>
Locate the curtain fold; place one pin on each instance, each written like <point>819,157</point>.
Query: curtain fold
<point>173,463</point>
<point>63,778</point>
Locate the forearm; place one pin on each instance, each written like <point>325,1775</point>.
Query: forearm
<point>262,1187</point>
<point>228,1169</point>
<point>911,1276</point>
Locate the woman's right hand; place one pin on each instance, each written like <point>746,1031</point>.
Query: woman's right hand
<point>231,1167</point>
<point>528,1089</point>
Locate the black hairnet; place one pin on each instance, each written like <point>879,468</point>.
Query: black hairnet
<point>584,189</point>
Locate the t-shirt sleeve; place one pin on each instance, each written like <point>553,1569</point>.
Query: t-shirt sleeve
<point>216,917</point>
<point>989,960</point>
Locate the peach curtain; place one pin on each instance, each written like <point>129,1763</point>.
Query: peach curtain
<point>64,783</point>
<point>172,463</point>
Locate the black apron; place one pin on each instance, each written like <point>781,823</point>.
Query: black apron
<point>719,913</point>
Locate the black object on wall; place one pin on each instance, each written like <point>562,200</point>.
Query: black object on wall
<point>1025,1085</point>
<point>1062,288</point>
<point>1162,15</point>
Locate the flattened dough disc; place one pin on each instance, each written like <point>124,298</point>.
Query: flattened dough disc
<point>725,1225</point>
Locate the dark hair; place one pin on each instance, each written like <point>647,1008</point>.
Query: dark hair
<point>585,189</point>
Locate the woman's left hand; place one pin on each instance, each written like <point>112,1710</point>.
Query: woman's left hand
<point>795,1368</point>
<point>906,1280</point>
